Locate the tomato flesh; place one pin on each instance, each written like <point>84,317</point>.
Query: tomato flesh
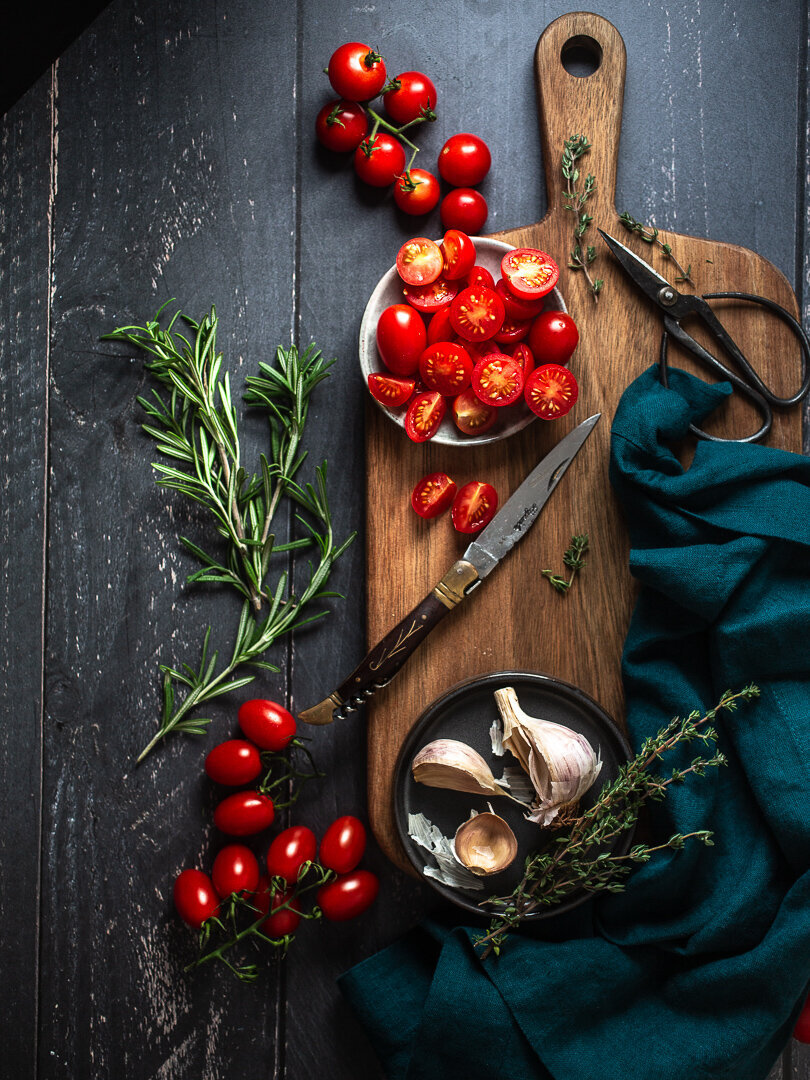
<point>523,355</point>
<point>553,337</point>
<point>477,313</point>
<point>343,843</point>
<point>401,338</point>
<point>267,724</point>
<point>432,495</point>
<point>474,507</point>
<point>458,252</point>
<point>417,192</point>
<point>195,898</point>
<point>428,298</point>
<point>446,367</point>
<point>471,415</point>
<point>529,273</point>
<point>289,851</point>
<point>235,870</point>
<point>551,391</point>
<point>497,380</point>
<point>419,261</point>
<point>348,895</point>
<point>233,762</point>
<point>244,813</point>
<point>424,415</point>
<point>479,275</point>
<point>390,390</point>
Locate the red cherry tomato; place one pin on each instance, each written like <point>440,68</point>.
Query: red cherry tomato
<point>458,252</point>
<point>401,338</point>
<point>446,367</point>
<point>433,296</point>
<point>235,870</point>
<point>474,506</point>
<point>432,495</point>
<point>511,331</point>
<point>801,1031</point>
<point>553,337</point>
<point>356,72</point>
<point>244,813</point>
<point>551,390</point>
<point>195,898</point>
<point>419,261</point>
<point>344,841</point>
<point>348,895</point>
<point>280,923</point>
<point>289,851</point>
<point>417,192</point>
<point>390,390</point>
<point>440,328</point>
<point>233,762</point>
<point>471,415</point>
<point>415,96</point>
<point>497,379</point>
<point>424,415</point>
<point>477,313</point>
<point>341,126</point>
<point>523,355</point>
<point>529,273</point>
<point>479,275</point>
<point>267,724</point>
<point>380,161</point>
<point>465,209</point>
<point>464,160</point>
<point>517,309</point>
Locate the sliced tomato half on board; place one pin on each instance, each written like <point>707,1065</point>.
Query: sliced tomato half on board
<point>433,495</point>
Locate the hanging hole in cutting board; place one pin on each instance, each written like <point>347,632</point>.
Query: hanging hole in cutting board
<point>581,56</point>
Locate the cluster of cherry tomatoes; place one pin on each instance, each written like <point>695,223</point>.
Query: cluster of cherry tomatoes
<point>271,899</point>
<point>472,353</point>
<point>358,75</point>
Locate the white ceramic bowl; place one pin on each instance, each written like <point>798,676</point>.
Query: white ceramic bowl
<point>513,418</point>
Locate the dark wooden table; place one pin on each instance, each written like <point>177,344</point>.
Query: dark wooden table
<point>170,152</point>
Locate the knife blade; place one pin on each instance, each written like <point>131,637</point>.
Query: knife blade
<point>510,524</point>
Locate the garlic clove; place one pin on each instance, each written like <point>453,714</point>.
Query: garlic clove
<point>485,844</point>
<point>448,763</point>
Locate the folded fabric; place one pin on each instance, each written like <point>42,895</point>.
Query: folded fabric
<point>699,968</point>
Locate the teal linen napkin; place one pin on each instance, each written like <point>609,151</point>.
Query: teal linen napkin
<point>697,970</point>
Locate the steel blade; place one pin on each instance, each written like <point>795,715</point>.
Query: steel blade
<point>522,509</point>
<point>648,280</point>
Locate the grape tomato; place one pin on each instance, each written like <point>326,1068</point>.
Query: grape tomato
<point>267,724</point>
<point>551,391</point>
<point>348,896</point>
<point>235,870</point>
<point>529,273</point>
<point>425,414</point>
<point>432,495</point>
<point>195,897</point>
<point>233,762</point>
<point>390,390</point>
<point>431,297</point>
<point>401,338</point>
<point>244,813</point>
<point>471,415</point>
<point>446,367</point>
<point>344,842</point>
<point>458,252</point>
<point>477,313</point>
<point>439,328</point>
<point>289,851</point>
<point>498,380</point>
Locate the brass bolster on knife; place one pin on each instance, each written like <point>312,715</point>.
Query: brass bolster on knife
<point>323,712</point>
<point>453,587</point>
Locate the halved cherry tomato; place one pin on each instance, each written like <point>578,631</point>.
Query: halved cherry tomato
<point>419,261</point>
<point>401,338</point>
<point>497,379</point>
<point>432,495</point>
<point>233,762</point>
<point>551,390</point>
<point>194,897</point>
<point>513,331</point>
<point>244,813</point>
<point>553,337</point>
<point>348,895</point>
<point>344,842</point>
<point>424,415</point>
<point>479,275</point>
<point>446,367</point>
<point>341,126</point>
<point>356,72</point>
<point>267,724</point>
<point>464,160</point>
<point>279,923</point>
<point>471,415</point>
<point>289,851</point>
<point>413,95</point>
<point>390,390</point>
<point>379,161</point>
<point>458,251</point>
<point>430,297</point>
<point>477,313</point>
<point>529,273</point>
<point>439,328</point>
<point>417,192</point>
<point>235,870</point>
<point>464,208</point>
<point>517,309</point>
<point>474,506</point>
<point>524,356</point>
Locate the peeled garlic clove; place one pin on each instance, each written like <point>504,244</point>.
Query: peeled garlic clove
<point>561,763</point>
<point>485,844</point>
<point>448,763</point>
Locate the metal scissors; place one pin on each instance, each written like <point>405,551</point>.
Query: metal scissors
<point>676,306</point>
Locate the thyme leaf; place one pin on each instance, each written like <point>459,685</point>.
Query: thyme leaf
<point>649,234</point>
<point>574,199</point>
<point>574,559</point>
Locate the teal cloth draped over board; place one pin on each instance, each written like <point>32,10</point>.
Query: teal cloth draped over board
<point>697,970</point>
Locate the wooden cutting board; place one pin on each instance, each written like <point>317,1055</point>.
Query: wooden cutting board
<point>515,620</point>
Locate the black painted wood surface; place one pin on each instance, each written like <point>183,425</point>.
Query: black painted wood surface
<point>169,152</point>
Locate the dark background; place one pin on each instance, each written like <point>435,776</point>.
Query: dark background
<point>168,153</point>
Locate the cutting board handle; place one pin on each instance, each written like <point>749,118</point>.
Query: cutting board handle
<point>572,105</point>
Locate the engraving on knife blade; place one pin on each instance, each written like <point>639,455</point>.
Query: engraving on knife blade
<point>528,514</point>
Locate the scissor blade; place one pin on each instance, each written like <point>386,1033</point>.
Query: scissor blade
<point>648,280</point>
<point>519,513</point>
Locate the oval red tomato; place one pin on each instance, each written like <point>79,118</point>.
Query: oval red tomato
<point>244,813</point>
<point>233,762</point>
<point>425,413</point>
<point>432,495</point>
<point>431,297</point>
<point>344,841</point>
<point>464,160</point>
<point>439,328</point>
<point>195,898</point>
<point>464,209</point>
<point>458,252</point>
<point>235,869</point>
<point>267,724</point>
<point>497,380</point>
<point>341,126</point>
<point>446,367</point>
<point>553,337</point>
<point>281,922</point>
<point>474,507</point>
<point>348,895</point>
<point>512,331</point>
<point>529,273</point>
<point>479,275</point>
<point>356,72</point>
<point>401,338</point>
<point>471,415</point>
<point>289,851</point>
<point>413,95</point>
<point>417,192</point>
<point>390,390</point>
<point>419,261</point>
<point>379,161</point>
<point>551,391</point>
<point>517,309</point>
<point>477,313</point>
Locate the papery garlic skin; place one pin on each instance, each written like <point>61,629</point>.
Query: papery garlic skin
<point>561,763</point>
<point>485,844</point>
<point>448,763</point>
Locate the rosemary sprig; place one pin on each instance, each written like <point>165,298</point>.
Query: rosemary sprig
<point>574,559</point>
<point>574,200</point>
<point>579,857</point>
<point>649,234</point>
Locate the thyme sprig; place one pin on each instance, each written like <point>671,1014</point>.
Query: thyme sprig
<point>581,256</point>
<point>649,234</point>
<point>574,559</point>
<point>580,856</point>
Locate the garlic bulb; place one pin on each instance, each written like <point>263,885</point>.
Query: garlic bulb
<point>485,844</point>
<point>448,763</point>
<point>561,763</point>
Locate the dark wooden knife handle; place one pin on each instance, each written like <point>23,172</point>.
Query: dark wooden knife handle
<point>382,663</point>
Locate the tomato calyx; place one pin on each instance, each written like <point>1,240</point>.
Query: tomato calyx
<point>371,58</point>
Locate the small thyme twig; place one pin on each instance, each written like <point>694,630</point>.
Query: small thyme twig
<point>574,559</point>
<point>573,149</point>
<point>649,234</point>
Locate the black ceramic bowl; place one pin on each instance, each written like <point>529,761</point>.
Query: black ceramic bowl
<point>466,713</point>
